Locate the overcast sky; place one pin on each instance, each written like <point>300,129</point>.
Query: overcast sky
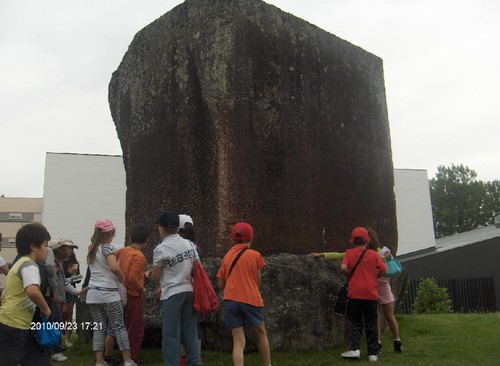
<point>441,64</point>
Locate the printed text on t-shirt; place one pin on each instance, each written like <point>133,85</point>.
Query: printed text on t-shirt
<point>179,258</point>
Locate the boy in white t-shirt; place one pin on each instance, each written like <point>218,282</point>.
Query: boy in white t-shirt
<point>173,261</point>
<point>20,298</point>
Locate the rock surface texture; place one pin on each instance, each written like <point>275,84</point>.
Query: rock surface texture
<point>234,110</point>
<point>298,294</point>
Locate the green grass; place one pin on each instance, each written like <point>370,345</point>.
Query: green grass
<point>445,339</point>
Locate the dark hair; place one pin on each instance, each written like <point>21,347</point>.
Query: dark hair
<point>241,241</point>
<point>374,241</point>
<point>98,238</point>
<point>34,233</point>
<point>139,233</point>
<point>171,230</point>
<point>358,240</point>
<point>188,232</point>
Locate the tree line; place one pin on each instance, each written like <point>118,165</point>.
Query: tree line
<point>461,202</point>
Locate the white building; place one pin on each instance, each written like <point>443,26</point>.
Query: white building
<point>78,190</point>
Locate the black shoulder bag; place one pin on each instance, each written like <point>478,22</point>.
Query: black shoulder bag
<point>236,260</point>
<point>340,301</point>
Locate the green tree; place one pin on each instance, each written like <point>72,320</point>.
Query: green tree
<point>432,299</point>
<point>461,202</point>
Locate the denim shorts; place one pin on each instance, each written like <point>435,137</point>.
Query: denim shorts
<point>238,314</point>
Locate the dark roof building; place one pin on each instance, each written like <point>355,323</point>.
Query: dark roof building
<point>471,259</point>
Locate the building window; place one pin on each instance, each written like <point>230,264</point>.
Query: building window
<point>15,216</point>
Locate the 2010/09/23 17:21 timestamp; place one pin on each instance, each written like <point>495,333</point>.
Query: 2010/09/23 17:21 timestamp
<point>62,326</point>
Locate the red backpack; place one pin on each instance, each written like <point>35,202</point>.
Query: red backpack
<point>205,299</point>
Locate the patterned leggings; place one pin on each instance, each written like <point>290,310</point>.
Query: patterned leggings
<point>112,313</point>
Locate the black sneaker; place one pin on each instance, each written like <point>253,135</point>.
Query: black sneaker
<point>398,346</point>
<point>379,347</point>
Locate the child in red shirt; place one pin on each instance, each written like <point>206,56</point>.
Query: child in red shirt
<point>243,304</point>
<point>363,293</point>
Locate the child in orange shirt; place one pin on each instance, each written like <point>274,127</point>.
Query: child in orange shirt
<point>239,276</point>
<point>133,266</point>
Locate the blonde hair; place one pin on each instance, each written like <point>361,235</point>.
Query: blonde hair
<point>99,237</point>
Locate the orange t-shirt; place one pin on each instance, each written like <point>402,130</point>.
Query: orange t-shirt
<point>243,284</point>
<point>133,265</point>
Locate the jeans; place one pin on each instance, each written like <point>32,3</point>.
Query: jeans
<point>179,325</point>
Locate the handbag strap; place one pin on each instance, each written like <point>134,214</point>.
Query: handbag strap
<point>236,260</point>
<point>356,265</point>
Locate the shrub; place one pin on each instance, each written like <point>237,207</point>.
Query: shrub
<point>432,299</point>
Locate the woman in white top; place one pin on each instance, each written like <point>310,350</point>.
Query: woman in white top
<point>103,297</point>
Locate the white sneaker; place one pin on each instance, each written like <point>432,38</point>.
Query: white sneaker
<point>351,354</point>
<point>59,357</point>
<point>373,358</point>
<point>129,363</point>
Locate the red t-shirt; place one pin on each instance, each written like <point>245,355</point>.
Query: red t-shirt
<point>363,283</point>
<point>242,285</point>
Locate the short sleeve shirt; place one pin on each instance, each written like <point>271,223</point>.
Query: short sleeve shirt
<point>17,309</point>
<point>176,256</point>
<point>242,285</point>
<point>363,284</point>
<point>103,288</point>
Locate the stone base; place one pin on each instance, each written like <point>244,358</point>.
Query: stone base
<point>298,296</point>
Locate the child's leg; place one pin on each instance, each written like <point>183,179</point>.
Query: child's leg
<point>262,343</point>
<point>114,312</point>
<point>238,346</point>
<point>171,328</point>
<point>388,310</point>
<point>109,344</point>
<point>189,330</point>
<point>379,323</point>
<point>356,316</point>
<point>99,316</point>
<point>370,308</point>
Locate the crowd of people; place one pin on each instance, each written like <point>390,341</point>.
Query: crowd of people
<point>43,276</point>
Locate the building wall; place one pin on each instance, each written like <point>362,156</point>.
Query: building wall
<point>413,210</point>
<point>78,190</point>
<point>14,213</point>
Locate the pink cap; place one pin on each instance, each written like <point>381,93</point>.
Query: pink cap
<point>104,225</point>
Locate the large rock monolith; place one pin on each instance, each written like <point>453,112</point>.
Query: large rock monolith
<point>235,110</point>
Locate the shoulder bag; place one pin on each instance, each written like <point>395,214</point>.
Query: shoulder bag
<point>393,267</point>
<point>340,301</point>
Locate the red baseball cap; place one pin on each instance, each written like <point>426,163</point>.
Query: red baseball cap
<point>242,231</point>
<point>360,232</point>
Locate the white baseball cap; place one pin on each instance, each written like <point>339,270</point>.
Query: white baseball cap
<point>183,219</point>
